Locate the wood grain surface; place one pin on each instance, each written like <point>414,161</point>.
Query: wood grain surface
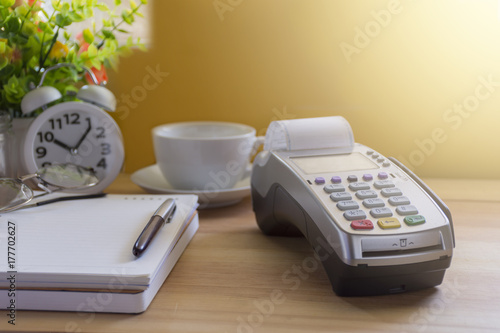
<point>232,278</point>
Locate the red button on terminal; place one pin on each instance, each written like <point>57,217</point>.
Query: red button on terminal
<point>362,225</point>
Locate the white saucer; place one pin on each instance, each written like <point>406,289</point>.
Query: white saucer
<point>151,180</point>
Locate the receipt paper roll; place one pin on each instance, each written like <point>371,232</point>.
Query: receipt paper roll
<point>309,133</point>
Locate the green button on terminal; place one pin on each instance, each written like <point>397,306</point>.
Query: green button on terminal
<point>414,220</point>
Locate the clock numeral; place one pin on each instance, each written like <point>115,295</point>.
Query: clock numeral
<point>72,119</point>
<point>102,163</point>
<point>41,152</point>
<point>55,123</point>
<point>105,149</point>
<point>46,164</point>
<point>67,119</point>
<point>100,132</point>
<point>47,136</point>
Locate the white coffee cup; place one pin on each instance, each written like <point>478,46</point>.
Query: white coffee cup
<point>204,155</point>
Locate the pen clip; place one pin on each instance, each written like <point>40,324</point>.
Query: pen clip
<point>171,215</point>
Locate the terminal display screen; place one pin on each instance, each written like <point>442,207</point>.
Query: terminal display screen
<point>333,163</point>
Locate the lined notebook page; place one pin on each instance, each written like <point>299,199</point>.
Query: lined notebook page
<point>85,243</point>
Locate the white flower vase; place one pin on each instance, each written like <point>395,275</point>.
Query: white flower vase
<point>20,127</point>
<point>7,146</point>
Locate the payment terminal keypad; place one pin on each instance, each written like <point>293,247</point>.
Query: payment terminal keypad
<point>370,201</point>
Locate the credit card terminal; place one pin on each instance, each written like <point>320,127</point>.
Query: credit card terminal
<point>374,225</point>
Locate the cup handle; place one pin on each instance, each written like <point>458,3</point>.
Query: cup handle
<point>259,141</point>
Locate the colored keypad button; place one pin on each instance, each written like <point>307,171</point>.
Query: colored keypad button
<point>383,175</point>
<point>347,205</point>
<point>336,179</point>
<point>407,210</point>
<point>367,177</point>
<point>414,220</point>
<point>389,223</point>
<point>381,212</point>
<point>362,225</point>
<point>330,188</point>
<point>355,214</point>
<point>319,180</point>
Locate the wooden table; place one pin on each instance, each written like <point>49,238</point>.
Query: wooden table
<point>230,279</point>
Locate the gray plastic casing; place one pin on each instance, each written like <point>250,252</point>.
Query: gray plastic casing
<point>433,240</point>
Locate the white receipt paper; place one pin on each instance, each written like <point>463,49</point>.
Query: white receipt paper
<point>309,133</point>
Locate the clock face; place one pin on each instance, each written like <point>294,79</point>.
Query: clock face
<point>79,133</point>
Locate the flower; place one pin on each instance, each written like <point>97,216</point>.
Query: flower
<point>36,35</point>
<point>100,74</point>
<point>59,50</point>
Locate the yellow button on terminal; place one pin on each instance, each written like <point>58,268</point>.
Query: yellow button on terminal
<point>389,223</point>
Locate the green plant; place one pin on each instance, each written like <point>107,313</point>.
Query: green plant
<point>34,38</point>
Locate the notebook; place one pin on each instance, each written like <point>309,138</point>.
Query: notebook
<point>64,254</point>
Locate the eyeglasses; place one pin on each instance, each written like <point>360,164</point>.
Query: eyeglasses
<point>14,193</point>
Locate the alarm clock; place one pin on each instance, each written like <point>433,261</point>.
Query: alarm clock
<point>79,132</point>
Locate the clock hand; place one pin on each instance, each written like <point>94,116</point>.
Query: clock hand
<point>62,145</point>
<point>83,137</point>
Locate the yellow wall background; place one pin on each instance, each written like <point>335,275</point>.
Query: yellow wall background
<point>417,80</point>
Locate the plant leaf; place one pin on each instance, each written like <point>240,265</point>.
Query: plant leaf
<point>12,24</point>
<point>45,27</point>
<point>3,60</point>
<point>108,34</point>
<point>127,16</point>
<point>56,4</point>
<point>75,17</point>
<point>102,7</point>
<point>7,3</point>
<point>88,36</point>
<point>92,51</point>
<point>65,8</point>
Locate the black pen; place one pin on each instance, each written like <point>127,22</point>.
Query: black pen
<point>162,215</point>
